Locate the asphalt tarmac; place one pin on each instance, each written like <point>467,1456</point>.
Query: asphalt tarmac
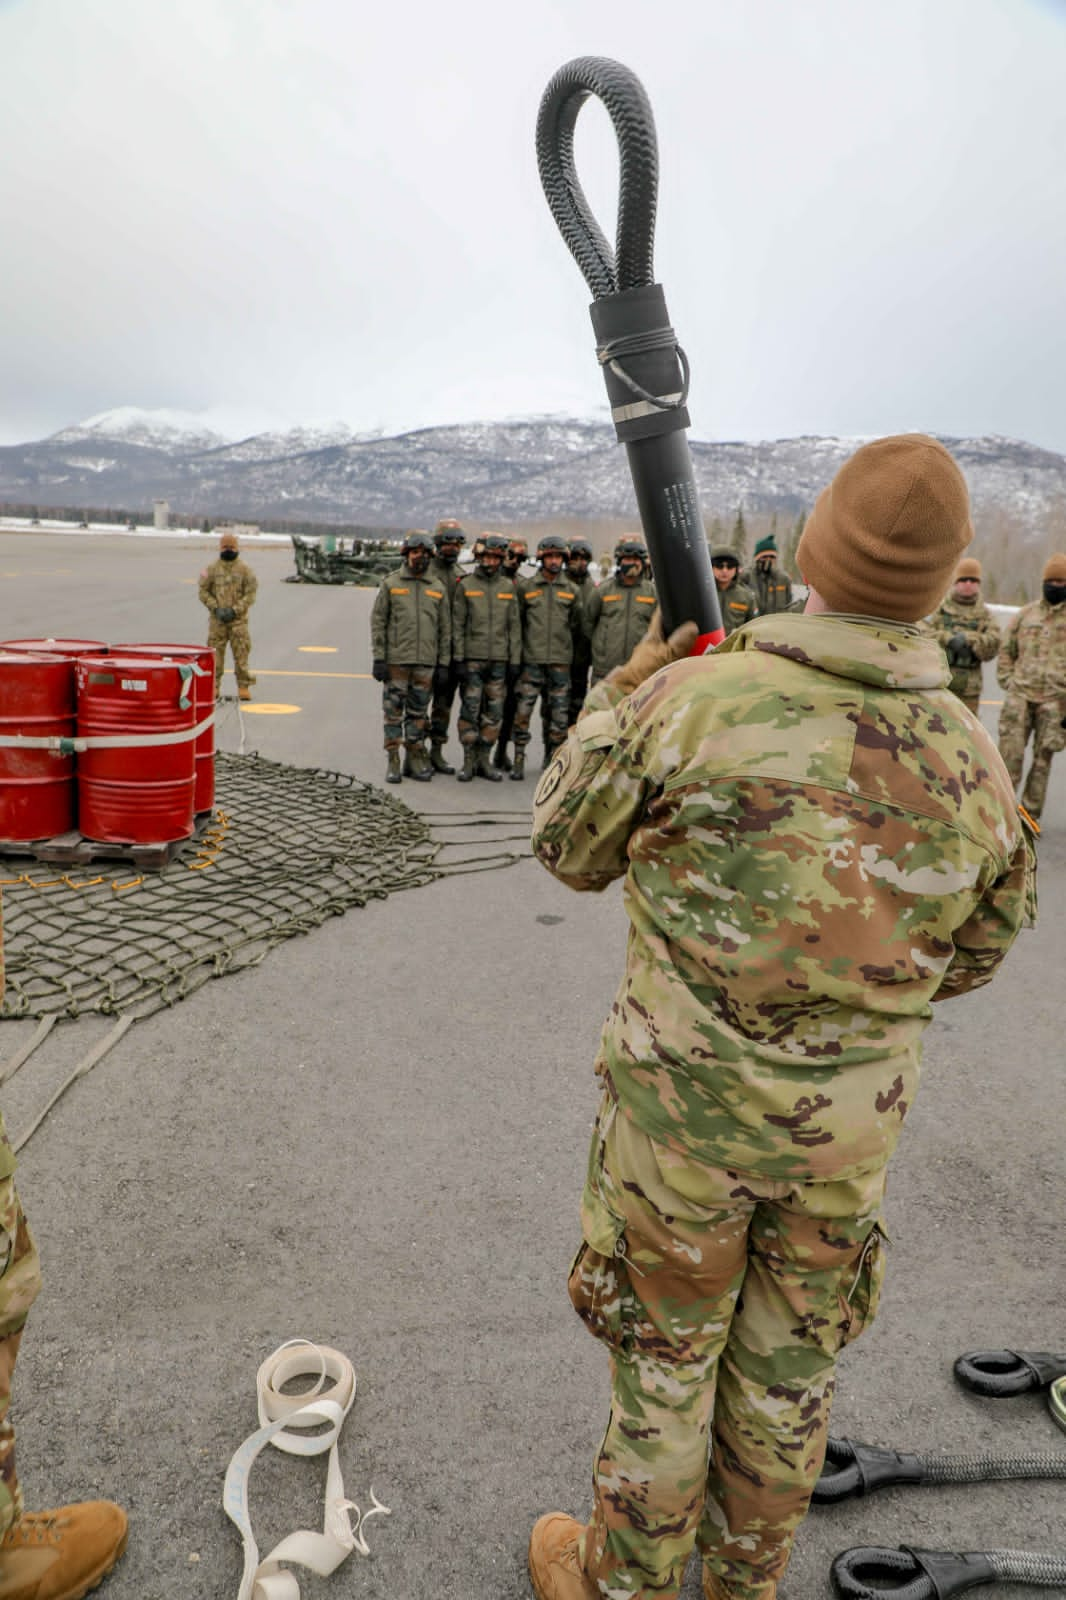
<point>376,1139</point>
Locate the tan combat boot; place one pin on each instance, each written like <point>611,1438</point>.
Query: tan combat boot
<point>554,1567</point>
<point>243,692</point>
<point>61,1554</point>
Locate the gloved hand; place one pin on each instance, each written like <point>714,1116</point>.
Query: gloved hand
<point>654,652</point>
<point>959,653</point>
<point>461,671</point>
<point>441,675</point>
<point>380,669</point>
<point>225,613</point>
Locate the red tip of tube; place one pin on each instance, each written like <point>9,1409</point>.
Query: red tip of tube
<point>705,642</point>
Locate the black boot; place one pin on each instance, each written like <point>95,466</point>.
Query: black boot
<point>469,772</point>
<point>436,758</point>
<point>500,759</point>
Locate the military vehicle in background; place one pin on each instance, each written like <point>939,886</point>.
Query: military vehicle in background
<point>331,558</point>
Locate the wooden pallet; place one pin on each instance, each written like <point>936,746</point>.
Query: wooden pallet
<point>75,850</point>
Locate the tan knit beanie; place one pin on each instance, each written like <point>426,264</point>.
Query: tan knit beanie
<point>1055,570</point>
<point>229,541</point>
<point>884,538</point>
<point>968,567</point>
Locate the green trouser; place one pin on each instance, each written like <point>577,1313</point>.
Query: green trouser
<point>724,1299</point>
<point>239,639</point>
<point>20,1279</point>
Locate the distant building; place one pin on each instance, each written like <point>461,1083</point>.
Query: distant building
<point>160,514</point>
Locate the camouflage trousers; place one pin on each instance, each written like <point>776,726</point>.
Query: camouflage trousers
<point>405,701</point>
<point>239,639</point>
<point>481,707</point>
<point>20,1279</point>
<point>1019,721</point>
<point>724,1300</point>
<point>552,684</point>
<point>441,714</point>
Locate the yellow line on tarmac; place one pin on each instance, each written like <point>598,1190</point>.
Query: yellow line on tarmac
<point>284,672</point>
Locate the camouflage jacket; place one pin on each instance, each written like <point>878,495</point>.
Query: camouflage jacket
<point>411,621</point>
<point>616,618</point>
<point>982,636</point>
<point>1032,657</point>
<point>228,583</point>
<point>772,589</point>
<point>551,615</point>
<point>485,621</point>
<point>817,841</point>
<point>738,606</point>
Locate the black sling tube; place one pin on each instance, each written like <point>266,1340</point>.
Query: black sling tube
<point>644,367</point>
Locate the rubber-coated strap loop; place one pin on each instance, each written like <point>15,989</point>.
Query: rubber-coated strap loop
<point>999,1374</point>
<point>1056,1401</point>
<point>852,1469</point>
<point>871,1572</point>
<point>662,402</point>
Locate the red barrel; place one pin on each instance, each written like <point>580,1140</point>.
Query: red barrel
<point>58,647</point>
<point>136,794</point>
<point>204,696</point>
<point>36,786</point>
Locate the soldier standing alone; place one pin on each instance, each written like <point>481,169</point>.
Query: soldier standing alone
<point>228,589</point>
<point>411,638</point>
<point>967,632</point>
<point>1032,671</point>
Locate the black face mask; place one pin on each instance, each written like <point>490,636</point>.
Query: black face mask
<point>228,555</point>
<point>1055,593</point>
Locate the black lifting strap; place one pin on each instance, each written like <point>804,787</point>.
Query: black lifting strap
<point>998,1374</point>
<point>871,1573</point>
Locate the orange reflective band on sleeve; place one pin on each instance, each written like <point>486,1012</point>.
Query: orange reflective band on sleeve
<point>645,599</point>
<point>399,591</point>
<point>435,594</point>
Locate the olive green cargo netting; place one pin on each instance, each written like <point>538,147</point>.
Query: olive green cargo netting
<point>286,848</point>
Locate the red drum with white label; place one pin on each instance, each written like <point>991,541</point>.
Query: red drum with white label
<point>36,786</point>
<point>204,695</point>
<point>135,794</point>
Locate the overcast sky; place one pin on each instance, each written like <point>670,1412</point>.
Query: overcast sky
<point>285,211</point>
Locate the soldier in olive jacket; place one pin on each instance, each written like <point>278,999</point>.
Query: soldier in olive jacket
<point>617,614</point>
<point>411,638</point>
<point>487,648</point>
<point>551,617</point>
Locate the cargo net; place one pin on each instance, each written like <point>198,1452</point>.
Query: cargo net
<point>285,848</point>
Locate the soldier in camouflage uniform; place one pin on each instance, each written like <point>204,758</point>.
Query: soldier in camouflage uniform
<point>735,598</point>
<point>486,641</point>
<point>1032,671</point>
<point>617,614</point>
<point>228,589</point>
<point>63,1552</point>
<point>817,841</point>
<point>578,559</point>
<point>771,587</point>
<point>967,633</point>
<point>444,569</point>
<point>551,617</point>
<point>513,562</point>
<point>411,640</point>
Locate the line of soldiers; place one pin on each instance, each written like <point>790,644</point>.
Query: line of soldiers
<point>508,637</point>
<point>1030,665</point>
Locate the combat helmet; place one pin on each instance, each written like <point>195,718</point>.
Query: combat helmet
<point>496,541</point>
<point>416,539</point>
<point>581,547</point>
<point>630,549</point>
<point>448,531</point>
<point>551,541</point>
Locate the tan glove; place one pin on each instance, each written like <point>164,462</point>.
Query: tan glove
<point>653,652</point>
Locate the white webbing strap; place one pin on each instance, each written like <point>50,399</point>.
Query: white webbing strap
<point>65,746</point>
<point>322,1406</point>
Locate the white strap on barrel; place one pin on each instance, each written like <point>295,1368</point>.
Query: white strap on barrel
<point>105,741</point>
<point>325,1405</point>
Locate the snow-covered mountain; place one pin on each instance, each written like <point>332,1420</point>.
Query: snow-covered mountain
<point>530,469</point>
